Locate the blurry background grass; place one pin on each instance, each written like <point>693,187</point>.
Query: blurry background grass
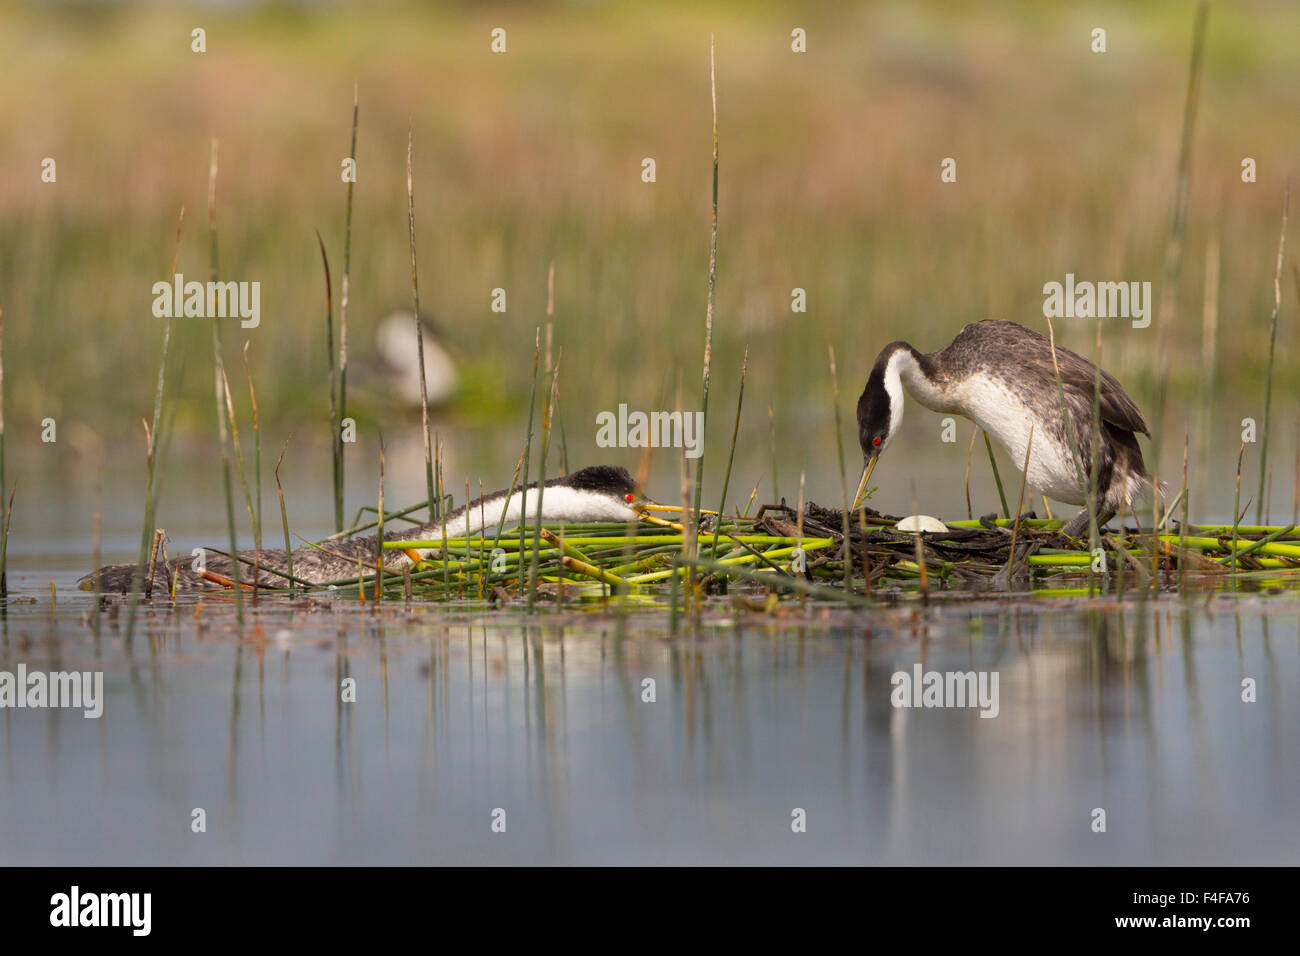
<point>830,182</point>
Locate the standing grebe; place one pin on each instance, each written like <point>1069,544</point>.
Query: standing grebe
<point>1000,375</point>
<point>597,493</point>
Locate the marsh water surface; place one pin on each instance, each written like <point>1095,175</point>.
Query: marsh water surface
<point>1133,706</point>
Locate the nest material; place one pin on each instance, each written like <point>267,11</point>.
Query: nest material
<point>978,555</point>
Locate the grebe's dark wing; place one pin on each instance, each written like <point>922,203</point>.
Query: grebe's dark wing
<point>992,340</point>
<point>1080,375</point>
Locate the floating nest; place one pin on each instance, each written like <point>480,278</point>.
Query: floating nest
<point>977,556</point>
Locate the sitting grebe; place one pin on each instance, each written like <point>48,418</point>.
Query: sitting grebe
<point>597,493</point>
<point>1001,376</point>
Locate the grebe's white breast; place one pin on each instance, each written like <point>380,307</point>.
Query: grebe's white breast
<point>995,406</point>
<point>992,404</point>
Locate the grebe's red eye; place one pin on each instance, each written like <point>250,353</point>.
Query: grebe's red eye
<point>876,440</point>
<point>630,496</point>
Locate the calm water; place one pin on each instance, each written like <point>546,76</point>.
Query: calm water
<point>1134,708</point>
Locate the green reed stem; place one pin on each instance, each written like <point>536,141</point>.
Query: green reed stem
<point>284,515</point>
<point>419,332</point>
<point>844,487</point>
<point>379,539</point>
<point>1178,222</point>
<point>1075,451</point>
<point>771,432</point>
<point>257,456</point>
<point>997,478</point>
<point>219,379</point>
<point>336,446</point>
<point>731,455</point>
<point>541,482</point>
<point>344,298</point>
<point>713,277</point>
<point>1236,512</point>
<point>151,475</point>
<point>239,454</point>
<point>528,441</point>
<point>1272,346</point>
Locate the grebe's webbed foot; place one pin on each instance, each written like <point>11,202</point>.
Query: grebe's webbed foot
<point>1078,525</point>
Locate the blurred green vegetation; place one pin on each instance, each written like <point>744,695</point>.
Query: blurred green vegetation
<point>830,182</point>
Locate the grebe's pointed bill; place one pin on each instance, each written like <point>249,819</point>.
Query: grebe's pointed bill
<point>675,509</point>
<point>867,469</point>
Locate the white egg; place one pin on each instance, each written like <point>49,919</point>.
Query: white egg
<point>921,523</point>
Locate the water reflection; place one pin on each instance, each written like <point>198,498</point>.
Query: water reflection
<point>1133,707</point>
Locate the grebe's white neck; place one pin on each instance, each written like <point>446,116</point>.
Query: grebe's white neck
<point>904,371</point>
<point>894,389</point>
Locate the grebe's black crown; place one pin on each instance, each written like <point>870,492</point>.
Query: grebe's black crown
<point>601,479</point>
